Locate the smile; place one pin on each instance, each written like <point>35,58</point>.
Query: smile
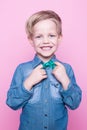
<point>46,48</point>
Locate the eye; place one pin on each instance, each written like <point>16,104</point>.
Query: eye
<point>39,36</point>
<point>52,35</point>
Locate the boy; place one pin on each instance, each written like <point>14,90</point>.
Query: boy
<point>45,86</point>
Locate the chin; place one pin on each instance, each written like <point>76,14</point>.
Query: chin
<point>48,56</point>
<point>45,55</point>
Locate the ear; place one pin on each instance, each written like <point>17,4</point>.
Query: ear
<point>60,39</point>
<point>31,41</point>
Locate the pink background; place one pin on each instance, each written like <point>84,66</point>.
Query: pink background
<point>14,49</point>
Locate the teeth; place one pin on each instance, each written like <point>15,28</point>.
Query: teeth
<point>46,48</point>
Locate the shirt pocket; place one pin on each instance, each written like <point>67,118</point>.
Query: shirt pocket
<point>54,90</point>
<point>36,94</point>
<point>58,104</point>
<point>59,109</point>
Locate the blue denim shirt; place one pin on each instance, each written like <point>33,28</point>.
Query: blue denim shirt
<point>44,107</point>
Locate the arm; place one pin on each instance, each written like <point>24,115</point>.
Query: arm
<point>17,95</point>
<point>22,90</point>
<point>72,96</point>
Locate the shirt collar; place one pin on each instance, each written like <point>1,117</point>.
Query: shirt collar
<point>37,60</point>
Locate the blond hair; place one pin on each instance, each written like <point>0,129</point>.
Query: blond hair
<point>43,15</point>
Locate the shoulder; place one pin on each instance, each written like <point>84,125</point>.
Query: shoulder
<point>67,66</point>
<point>24,66</point>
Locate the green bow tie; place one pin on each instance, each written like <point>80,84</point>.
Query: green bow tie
<point>50,64</point>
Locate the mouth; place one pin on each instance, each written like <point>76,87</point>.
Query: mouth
<point>46,48</point>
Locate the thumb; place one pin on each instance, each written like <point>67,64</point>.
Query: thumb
<point>58,63</point>
<point>40,66</point>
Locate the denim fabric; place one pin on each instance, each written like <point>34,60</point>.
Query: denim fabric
<point>44,107</point>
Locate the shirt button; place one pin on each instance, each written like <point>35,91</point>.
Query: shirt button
<point>45,114</point>
<point>45,127</point>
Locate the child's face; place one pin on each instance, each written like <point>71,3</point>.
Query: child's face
<point>45,39</point>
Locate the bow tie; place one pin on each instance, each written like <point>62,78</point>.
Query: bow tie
<point>50,64</point>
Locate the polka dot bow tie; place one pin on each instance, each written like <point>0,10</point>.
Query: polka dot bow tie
<point>50,64</point>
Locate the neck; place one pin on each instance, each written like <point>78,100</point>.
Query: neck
<point>45,59</point>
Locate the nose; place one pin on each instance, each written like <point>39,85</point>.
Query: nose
<point>46,40</point>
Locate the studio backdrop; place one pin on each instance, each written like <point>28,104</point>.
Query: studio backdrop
<point>15,49</point>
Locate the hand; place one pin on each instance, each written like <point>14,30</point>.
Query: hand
<point>60,73</point>
<point>35,77</point>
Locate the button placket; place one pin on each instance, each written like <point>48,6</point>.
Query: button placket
<point>46,102</point>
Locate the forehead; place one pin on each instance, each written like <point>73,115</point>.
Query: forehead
<point>45,25</point>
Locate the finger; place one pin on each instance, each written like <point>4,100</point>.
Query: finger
<point>43,72</point>
<point>44,76</point>
<point>58,63</point>
<point>40,66</point>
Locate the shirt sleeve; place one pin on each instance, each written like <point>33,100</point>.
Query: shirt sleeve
<point>17,95</point>
<point>72,96</point>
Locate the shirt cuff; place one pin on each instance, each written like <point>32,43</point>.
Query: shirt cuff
<point>27,91</point>
<point>68,91</point>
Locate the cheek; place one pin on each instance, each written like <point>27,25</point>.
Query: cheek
<point>37,42</point>
<point>55,41</point>
<point>56,45</point>
<point>36,47</point>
